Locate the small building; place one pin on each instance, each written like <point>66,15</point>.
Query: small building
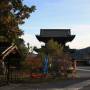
<point>9,53</point>
<point>82,56</point>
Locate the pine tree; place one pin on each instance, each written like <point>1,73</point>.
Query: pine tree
<point>12,14</point>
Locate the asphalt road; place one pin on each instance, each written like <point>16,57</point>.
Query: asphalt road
<point>83,72</point>
<point>81,83</point>
<point>44,86</point>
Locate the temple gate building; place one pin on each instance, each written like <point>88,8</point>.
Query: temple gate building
<point>62,36</point>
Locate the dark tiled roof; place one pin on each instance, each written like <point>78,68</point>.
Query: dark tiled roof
<point>60,35</point>
<point>55,32</point>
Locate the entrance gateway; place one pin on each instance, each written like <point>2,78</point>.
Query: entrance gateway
<point>62,36</point>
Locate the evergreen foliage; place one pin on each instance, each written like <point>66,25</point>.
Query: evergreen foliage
<point>12,14</point>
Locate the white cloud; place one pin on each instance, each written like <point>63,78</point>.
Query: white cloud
<point>32,40</point>
<point>82,38</point>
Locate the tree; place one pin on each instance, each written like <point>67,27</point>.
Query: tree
<point>59,61</point>
<point>54,48</point>
<point>55,52</point>
<point>12,14</point>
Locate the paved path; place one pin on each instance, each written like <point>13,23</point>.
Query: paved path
<point>86,88</point>
<point>82,83</point>
<point>60,85</point>
<point>83,72</point>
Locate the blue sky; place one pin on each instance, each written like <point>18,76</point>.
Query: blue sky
<point>73,14</point>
